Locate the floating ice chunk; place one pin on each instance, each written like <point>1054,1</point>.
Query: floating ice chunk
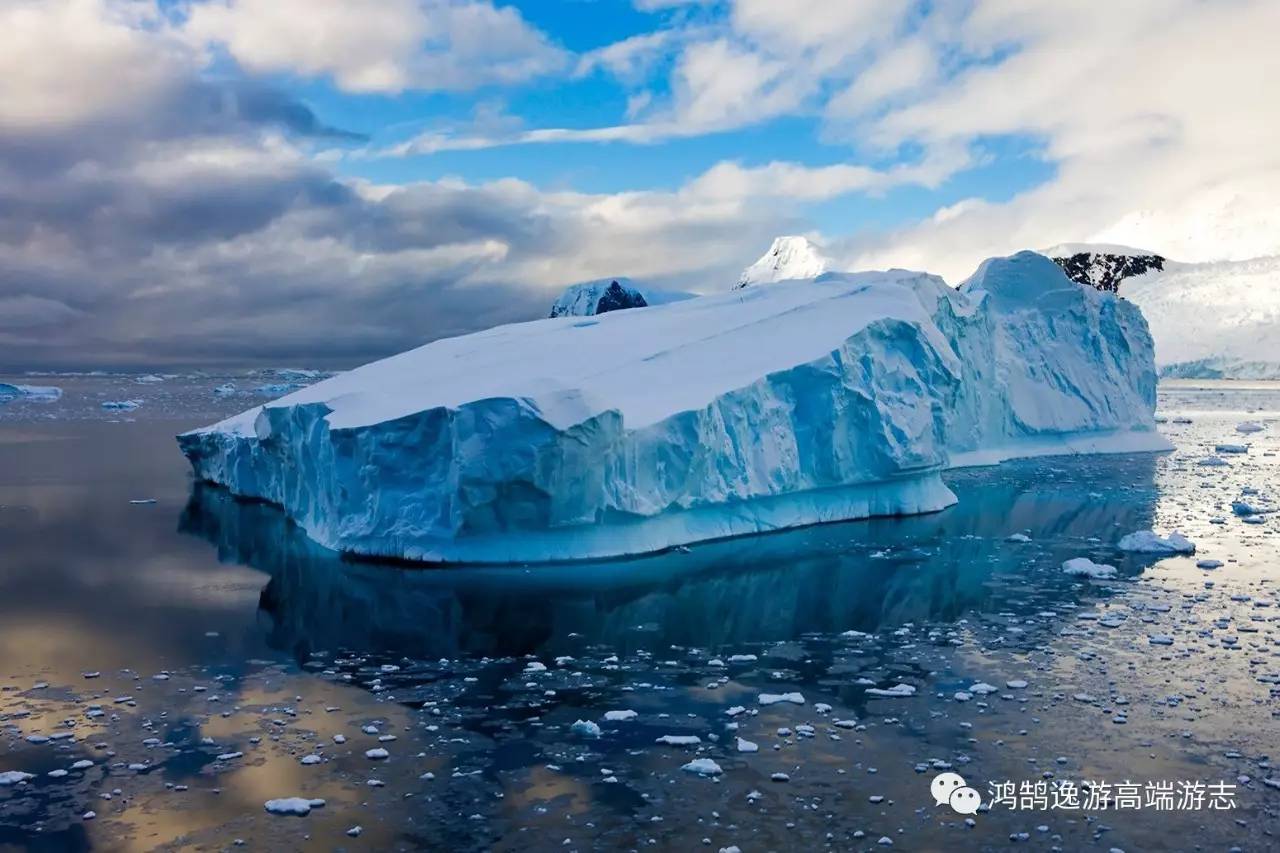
<point>1148,542</point>
<point>620,716</point>
<point>1231,448</point>
<point>1213,462</point>
<point>982,688</point>
<point>310,759</point>
<point>226,388</point>
<point>747,746</point>
<point>702,767</point>
<point>292,806</point>
<point>14,777</point>
<point>1084,567</point>
<point>1243,507</point>
<point>377,754</point>
<point>1015,684</point>
<point>679,740</point>
<point>121,405</point>
<point>34,393</point>
<point>1160,640</point>
<point>1018,537</point>
<point>585,728</point>
<point>1249,426</point>
<point>775,698</point>
<point>1209,564</point>
<point>897,690</point>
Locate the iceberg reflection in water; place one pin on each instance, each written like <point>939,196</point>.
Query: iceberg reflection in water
<point>864,576</point>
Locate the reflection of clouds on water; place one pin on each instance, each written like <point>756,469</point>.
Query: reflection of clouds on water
<point>863,575</point>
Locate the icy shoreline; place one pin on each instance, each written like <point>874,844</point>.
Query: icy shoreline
<point>637,431</point>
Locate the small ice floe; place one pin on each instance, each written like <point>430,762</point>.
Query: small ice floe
<point>142,501</point>
<point>1018,537</point>
<point>1212,462</point>
<point>702,767</point>
<point>34,393</point>
<point>230,756</point>
<point>1209,564</point>
<point>897,690</point>
<point>377,754</point>
<point>585,728</point>
<point>148,379</point>
<point>535,666</point>
<point>1086,568</point>
<point>292,806</point>
<point>227,388</point>
<point>308,760</point>
<point>1160,640</point>
<point>1249,426</point>
<point>14,777</point>
<point>82,764</point>
<point>355,831</point>
<point>1231,448</point>
<point>1245,508</point>
<point>1016,684</point>
<point>679,740</point>
<point>775,698</point>
<point>121,405</point>
<point>742,658</point>
<point>747,746</point>
<point>619,716</point>
<point>983,689</point>
<point>1149,542</point>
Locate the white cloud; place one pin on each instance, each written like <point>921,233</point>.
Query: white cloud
<point>65,62</point>
<point>1154,113</point>
<point>378,45</point>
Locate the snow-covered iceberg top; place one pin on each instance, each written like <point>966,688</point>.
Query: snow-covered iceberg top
<point>634,431</point>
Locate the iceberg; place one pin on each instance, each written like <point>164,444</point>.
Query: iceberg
<point>761,409</point>
<point>39,393</point>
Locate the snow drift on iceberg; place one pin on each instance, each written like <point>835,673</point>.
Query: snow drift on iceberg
<point>634,431</point>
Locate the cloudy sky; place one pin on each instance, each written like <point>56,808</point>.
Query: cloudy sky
<point>233,182</point>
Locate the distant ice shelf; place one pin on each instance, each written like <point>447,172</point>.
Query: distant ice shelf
<point>841,397</point>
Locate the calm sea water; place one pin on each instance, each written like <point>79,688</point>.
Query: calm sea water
<point>207,658</point>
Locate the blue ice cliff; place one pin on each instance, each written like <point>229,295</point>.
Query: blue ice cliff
<point>755,410</point>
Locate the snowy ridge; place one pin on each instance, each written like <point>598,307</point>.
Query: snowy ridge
<point>788,258</point>
<point>603,295</point>
<point>634,431</point>
<point>1213,320</point>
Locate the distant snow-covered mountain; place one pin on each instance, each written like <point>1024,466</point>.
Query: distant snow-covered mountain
<point>1103,265</point>
<point>1214,320</point>
<point>610,294</point>
<point>789,257</point>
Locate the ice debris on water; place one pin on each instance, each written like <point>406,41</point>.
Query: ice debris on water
<point>702,767</point>
<point>1084,567</point>
<point>1150,542</point>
